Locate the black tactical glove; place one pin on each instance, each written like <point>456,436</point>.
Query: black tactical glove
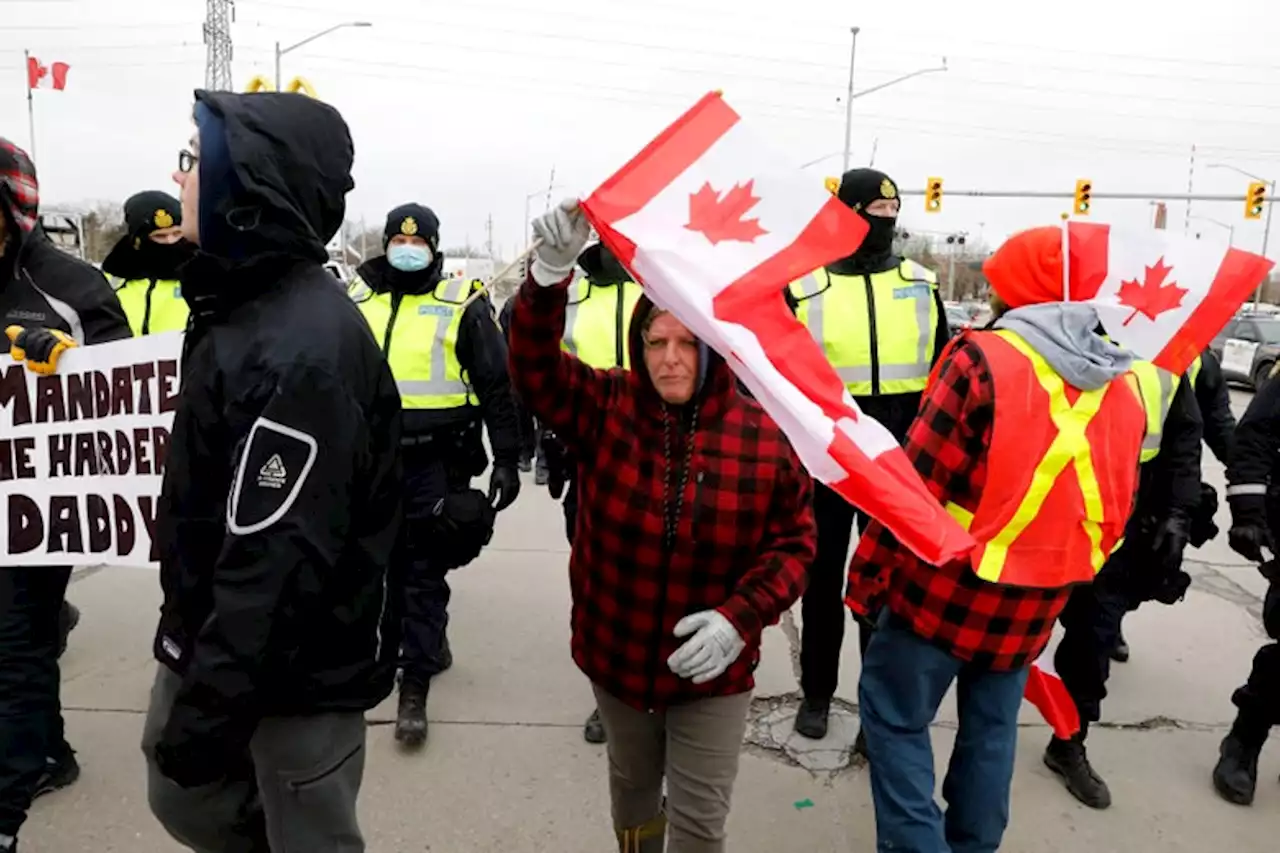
<point>1249,532</point>
<point>557,460</point>
<point>1203,528</point>
<point>1169,539</point>
<point>39,348</point>
<point>504,486</point>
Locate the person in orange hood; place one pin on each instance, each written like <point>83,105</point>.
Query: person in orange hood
<point>1007,412</point>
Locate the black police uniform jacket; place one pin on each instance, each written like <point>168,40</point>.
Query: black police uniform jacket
<point>282,491</point>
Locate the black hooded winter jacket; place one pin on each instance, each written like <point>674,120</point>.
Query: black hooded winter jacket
<point>282,492</point>
<point>42,286</point>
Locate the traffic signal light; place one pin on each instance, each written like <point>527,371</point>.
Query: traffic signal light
<point>933,196</point>
<point>1255,200</point>
<point>1084,196</point>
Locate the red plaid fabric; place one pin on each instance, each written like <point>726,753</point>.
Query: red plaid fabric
<point>18,179</point>
<point>999,627</point>
<point>677,513</point>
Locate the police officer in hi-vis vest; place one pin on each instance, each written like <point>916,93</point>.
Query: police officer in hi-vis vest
<point>881,322</point>
<point>450,364</point>
<point>143,265</point>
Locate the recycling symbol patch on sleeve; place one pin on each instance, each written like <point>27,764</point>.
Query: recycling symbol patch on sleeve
<point>272,472</point>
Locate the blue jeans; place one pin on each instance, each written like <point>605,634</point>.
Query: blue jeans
<point>904,678</point>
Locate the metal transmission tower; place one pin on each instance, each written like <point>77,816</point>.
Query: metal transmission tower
<point>217,36</point>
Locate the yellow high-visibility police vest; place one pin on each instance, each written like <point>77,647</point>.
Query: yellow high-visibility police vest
<point>882,335</point>
<point>419,335</point>
<point>152,305</point>
<point>596,322</point>
<point>1157,387</point>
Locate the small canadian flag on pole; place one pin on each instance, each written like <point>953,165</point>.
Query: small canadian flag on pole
<point>715,229</point>
<point>41,76</point>
<point>1160,295</point>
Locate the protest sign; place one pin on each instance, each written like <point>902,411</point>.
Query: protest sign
<point>82,453</point>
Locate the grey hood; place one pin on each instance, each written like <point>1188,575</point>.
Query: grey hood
<point>1065,334</point>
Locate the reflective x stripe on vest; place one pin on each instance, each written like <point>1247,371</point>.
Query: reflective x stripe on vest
<point>594,321</point>
<point>1193,372</point>
<point>152,306</point>
<point>903,327</point>
<point>1158,387</point>
<point>1076,528</point>
<point>420,339</point>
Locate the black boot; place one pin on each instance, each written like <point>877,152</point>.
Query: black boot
<point>58,774</point>
<point>68,619</point>
<point>1120,651</point>
<point>1236,775</point>
<point>526,462</point>
<point>593,731</point>
<point>411,719</point>
<point>811,719</point>
<point>1069,760</point>
<point>860,745</point>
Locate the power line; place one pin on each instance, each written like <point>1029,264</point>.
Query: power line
<point>471,78</point>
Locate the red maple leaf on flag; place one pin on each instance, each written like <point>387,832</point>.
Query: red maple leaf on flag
<point>1152,297</point>
<point>720,219</point>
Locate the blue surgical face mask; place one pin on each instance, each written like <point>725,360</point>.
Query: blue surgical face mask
<point>409,257</point>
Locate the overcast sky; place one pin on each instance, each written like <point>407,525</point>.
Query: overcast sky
<point>468,105</point>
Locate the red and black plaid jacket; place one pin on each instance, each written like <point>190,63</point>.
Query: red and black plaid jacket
<point>679,511</point>
<point>999,627</point>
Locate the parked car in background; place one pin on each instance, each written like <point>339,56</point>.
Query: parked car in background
<point>958,319</point>
<point>1248,347</point>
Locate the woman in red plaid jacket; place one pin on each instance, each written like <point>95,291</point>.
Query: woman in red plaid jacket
<point>694,532</point>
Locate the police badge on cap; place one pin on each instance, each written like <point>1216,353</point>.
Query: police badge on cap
<point>409,226</point>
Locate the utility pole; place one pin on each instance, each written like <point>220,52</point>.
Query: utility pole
<point>1191,176</point>
<point>489,239</point>
<point>217,37</point>
<point>848,100</point>
<point>364,235</point>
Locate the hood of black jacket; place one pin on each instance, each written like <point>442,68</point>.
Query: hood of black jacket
<point>275,169</point>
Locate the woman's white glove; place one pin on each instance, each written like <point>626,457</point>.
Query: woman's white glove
<point>562,233</point>
<point>714,646</point>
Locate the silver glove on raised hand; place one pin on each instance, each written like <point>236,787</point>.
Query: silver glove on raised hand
<point>562,233</point>
<point>714,646</point>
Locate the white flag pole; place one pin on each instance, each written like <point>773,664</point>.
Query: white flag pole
<point>31,105</point>
<point>1066,260</point>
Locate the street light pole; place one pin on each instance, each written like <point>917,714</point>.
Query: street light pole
<point>848,101</point>
<point>282,51</point>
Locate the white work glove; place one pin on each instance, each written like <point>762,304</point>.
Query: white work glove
<point>563,233</point>
<point>708,654</point>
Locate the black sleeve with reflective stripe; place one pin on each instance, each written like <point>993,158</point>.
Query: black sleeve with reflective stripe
<point>482,352</point>
<point>1215,407</point>
<point>1172,479</point>
<point>1257,441</point>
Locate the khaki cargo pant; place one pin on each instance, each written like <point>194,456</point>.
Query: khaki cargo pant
<point>695,748</point>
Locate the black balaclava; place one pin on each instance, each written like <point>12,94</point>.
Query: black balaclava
<point>859,188</point>
<point>138,256</point>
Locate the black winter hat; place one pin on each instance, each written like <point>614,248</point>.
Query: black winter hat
<point>150,211</point>
<point>860,187</point>
<point>413,220</point>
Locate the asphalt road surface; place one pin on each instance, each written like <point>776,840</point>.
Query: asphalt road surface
<point>506,767</point>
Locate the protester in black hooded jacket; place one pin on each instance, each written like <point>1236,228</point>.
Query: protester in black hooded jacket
<point>143,264</point>
<point>281,498</point>
<point>450,364</point>
<point>49,301</point>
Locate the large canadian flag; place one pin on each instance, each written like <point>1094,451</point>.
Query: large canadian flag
<point>1160,295</point>
<point>40,76</point>
<point>715,230</point>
